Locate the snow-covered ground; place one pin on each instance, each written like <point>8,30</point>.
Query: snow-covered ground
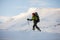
<point>30,35</point>
<point>49,20</point>
<point>18,28</point>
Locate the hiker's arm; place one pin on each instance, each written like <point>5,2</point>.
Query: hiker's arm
<point>29,19</point>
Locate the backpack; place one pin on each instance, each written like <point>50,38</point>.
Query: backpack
<point>36,14</point>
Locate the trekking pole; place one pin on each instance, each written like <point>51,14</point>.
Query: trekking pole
<point>28,23</point>
<point>29,26</point>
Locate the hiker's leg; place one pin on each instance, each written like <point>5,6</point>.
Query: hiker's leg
<point>37,27</point>
<point>34,26</point>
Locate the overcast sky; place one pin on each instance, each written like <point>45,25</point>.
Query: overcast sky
<point>15,7</point>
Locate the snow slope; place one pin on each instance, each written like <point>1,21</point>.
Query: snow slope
<point>31,35</point>
<point>50,20</point>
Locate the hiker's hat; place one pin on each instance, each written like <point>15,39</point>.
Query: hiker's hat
<point>33,14</point>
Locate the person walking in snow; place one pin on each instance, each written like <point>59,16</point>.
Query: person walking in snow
<point>35,19</point>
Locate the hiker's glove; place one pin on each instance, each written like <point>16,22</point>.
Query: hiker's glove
<point>28,19</point>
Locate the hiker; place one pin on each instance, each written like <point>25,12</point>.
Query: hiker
<point>35,19</point>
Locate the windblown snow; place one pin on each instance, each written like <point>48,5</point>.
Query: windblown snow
<point>49,20</point>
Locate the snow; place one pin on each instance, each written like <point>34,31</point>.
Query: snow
<point>31,35</point>
<point>17,27</point>
<point>49,20</point>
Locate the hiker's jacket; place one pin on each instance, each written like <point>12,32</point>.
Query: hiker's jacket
<point>34,18</point>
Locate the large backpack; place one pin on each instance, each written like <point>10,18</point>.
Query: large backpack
<point>36,14</point>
